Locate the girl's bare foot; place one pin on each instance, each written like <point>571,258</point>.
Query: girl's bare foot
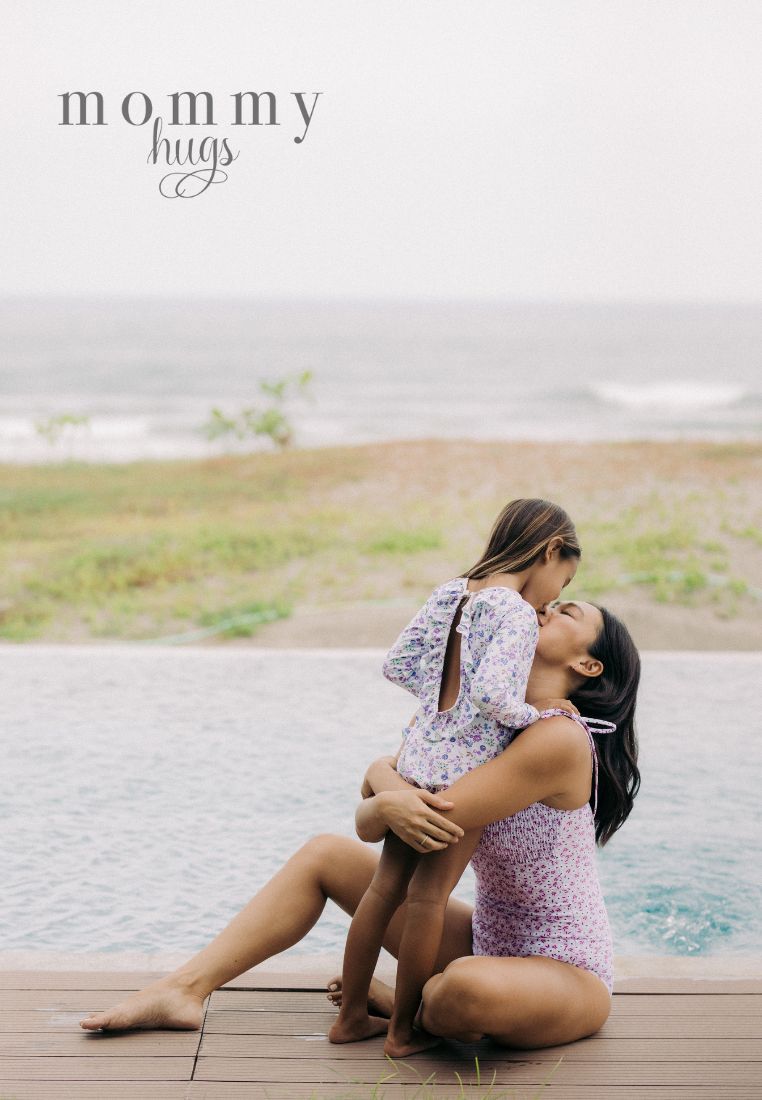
<point>352,1031</point>
<point>404,1043</point>
<point>380,996</point>
<point>163,1004</point>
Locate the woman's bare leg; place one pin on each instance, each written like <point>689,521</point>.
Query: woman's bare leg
<point>276,918</point>
<point>431,885</point>
<point>377,906</point>
<point>527,1002</point>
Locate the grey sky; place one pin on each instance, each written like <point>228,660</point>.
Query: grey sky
<point>598,149</point>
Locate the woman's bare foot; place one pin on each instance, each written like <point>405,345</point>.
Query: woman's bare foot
<point>404,1043</point>
<point>163,1004</point>
<point>352,1031</point>
<point>380,996</point>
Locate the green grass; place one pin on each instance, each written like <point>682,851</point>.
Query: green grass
<point>417,1087</point>
<point>405,541</point>
<point>657,546</point>
<point>151,550</point>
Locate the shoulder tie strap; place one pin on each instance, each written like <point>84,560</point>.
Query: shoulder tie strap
<point>598,725</point>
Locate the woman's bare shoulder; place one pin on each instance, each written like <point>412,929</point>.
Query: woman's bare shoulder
<point>569,747</point>
<point>557,740</point>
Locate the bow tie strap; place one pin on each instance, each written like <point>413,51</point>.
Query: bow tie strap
<point>599,725</point>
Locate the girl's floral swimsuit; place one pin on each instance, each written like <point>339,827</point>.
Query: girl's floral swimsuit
<point>498,636</point>
<point>537,887</point>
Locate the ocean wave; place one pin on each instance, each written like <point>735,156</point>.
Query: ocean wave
<point>673,395</point>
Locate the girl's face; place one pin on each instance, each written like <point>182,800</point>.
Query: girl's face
<point>548,579</point>
<point>567,631</point>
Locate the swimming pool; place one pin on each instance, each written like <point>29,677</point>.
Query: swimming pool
<point>148,791</point>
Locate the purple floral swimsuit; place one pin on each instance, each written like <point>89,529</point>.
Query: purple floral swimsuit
<point>499,635</point>
<point>537,886</point>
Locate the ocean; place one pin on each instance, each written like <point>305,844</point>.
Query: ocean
<point>145,373</point>
<point>148,791</point>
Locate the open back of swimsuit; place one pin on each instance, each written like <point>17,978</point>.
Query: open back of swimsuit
<point>537,887</point>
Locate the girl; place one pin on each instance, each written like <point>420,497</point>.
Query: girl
<point>466,655</point>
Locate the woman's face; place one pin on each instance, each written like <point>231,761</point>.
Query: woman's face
<point>567,631</point>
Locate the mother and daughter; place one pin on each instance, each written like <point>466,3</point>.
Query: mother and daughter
<point>516,692</point>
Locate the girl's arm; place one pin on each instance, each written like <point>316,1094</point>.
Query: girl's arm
<point>540,763</point>
<point>500,682</point>
<point>367,791</point>
<point>402,664</point>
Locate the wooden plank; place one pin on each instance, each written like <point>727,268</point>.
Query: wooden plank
<point>96,1090</point>
<point>717,1026</point>
<point>95,1069</point>
<point>55,1000</point>
<point>688,985</point>
<point>267,1023</point>
<point>136,979</point>
<point>744,1004</point>
<point>663,1004</point>
<point>271,979</point>
<point>689,1026</point>
<point>619,1025</point>
<point>231,1090</point>
<point>77,979</point>
<point>80,1002</point>
<point>75,1041</point>
<point>584,1050</point>
<point>323,1071</point>
<point>46,1021</point>
<point>30,1019</point>
<point>245,1000</point>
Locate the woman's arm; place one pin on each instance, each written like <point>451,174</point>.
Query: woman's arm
<point>408,811</point>
<point>541,762</point>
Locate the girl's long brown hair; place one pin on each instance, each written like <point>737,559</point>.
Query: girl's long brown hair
<point>520,537</point>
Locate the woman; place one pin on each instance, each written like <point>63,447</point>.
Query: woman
<point>547,978</point>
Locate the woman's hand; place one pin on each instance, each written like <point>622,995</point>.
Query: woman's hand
<point>412,815</point>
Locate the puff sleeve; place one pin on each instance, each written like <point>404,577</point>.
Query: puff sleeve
<point>403,663</point>
<point>500,681</point>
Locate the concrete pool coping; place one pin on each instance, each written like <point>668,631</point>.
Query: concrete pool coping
<point>625,966</point>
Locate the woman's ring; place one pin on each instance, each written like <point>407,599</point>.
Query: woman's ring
<point>424,839</point>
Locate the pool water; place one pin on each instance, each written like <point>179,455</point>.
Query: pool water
<point>147,792</point>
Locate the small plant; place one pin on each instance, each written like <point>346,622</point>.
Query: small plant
<point>270,420</point>
<point>55,427</point>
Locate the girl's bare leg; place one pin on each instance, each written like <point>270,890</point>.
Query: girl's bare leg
<point>378,905</point>
<point>277,917</point>
<point>432,883</point>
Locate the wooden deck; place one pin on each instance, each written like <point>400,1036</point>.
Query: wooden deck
<point>264,1037</point>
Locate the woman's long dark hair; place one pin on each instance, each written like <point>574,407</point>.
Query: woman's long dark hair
<point>612,696</point>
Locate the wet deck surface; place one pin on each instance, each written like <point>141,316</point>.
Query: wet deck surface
<point>264,1037</point>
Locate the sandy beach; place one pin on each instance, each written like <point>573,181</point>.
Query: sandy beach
<point>337,546</point>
